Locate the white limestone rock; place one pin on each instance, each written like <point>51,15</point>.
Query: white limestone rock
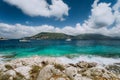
<point>24,71</point>
<point>45,73</point>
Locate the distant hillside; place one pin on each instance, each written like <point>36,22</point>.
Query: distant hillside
<point>48,35</point>
<point>92,36</point>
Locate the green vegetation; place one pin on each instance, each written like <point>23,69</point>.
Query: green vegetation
<point>54,36</point>
<point>59,66</point>
<point>92,36</point>
<point>47,35</point>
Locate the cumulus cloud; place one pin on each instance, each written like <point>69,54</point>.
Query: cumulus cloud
<point>116,9</point>
<point>19,31</point>
<point>102,16</point>
<point>57,8</point>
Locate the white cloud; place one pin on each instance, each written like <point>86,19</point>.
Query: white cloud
<point>57,9</point>
<point>102,17</point>
<point>116,7</point>
<point>19,31</point>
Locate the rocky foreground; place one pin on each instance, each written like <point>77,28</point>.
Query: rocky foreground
<point>49,68</point>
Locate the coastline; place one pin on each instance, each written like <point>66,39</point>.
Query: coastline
<point>60,68</point>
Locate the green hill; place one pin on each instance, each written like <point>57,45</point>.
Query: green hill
<point>54,36</point>
<point>92,36</point>
<point>48,35</point>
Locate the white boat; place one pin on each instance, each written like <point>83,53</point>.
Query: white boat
<point>24,40</point>
<point>68,39</point>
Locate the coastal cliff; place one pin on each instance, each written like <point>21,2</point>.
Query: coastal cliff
<point>51,68</point>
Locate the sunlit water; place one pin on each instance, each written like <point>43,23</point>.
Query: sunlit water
<point>105,48</point>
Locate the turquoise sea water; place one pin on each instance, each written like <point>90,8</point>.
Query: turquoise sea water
<point>106,48</point>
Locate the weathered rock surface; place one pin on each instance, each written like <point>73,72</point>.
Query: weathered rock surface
<point>46,68</point>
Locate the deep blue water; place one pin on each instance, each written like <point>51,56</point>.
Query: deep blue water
<point>106,48</point>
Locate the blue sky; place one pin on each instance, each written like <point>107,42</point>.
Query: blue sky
<point>79,11</point>
<point>68,16</point>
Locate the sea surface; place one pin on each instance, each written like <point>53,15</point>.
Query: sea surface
<point>58,48</point>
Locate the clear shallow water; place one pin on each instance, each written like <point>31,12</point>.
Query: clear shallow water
<point>106,48</point>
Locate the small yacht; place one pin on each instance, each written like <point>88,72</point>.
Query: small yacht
<point>24,40</point>
<point>68,39</point>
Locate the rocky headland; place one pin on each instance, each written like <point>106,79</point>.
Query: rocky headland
<point>51,68</point>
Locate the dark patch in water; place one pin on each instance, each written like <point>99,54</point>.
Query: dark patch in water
<point>8,57</point>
